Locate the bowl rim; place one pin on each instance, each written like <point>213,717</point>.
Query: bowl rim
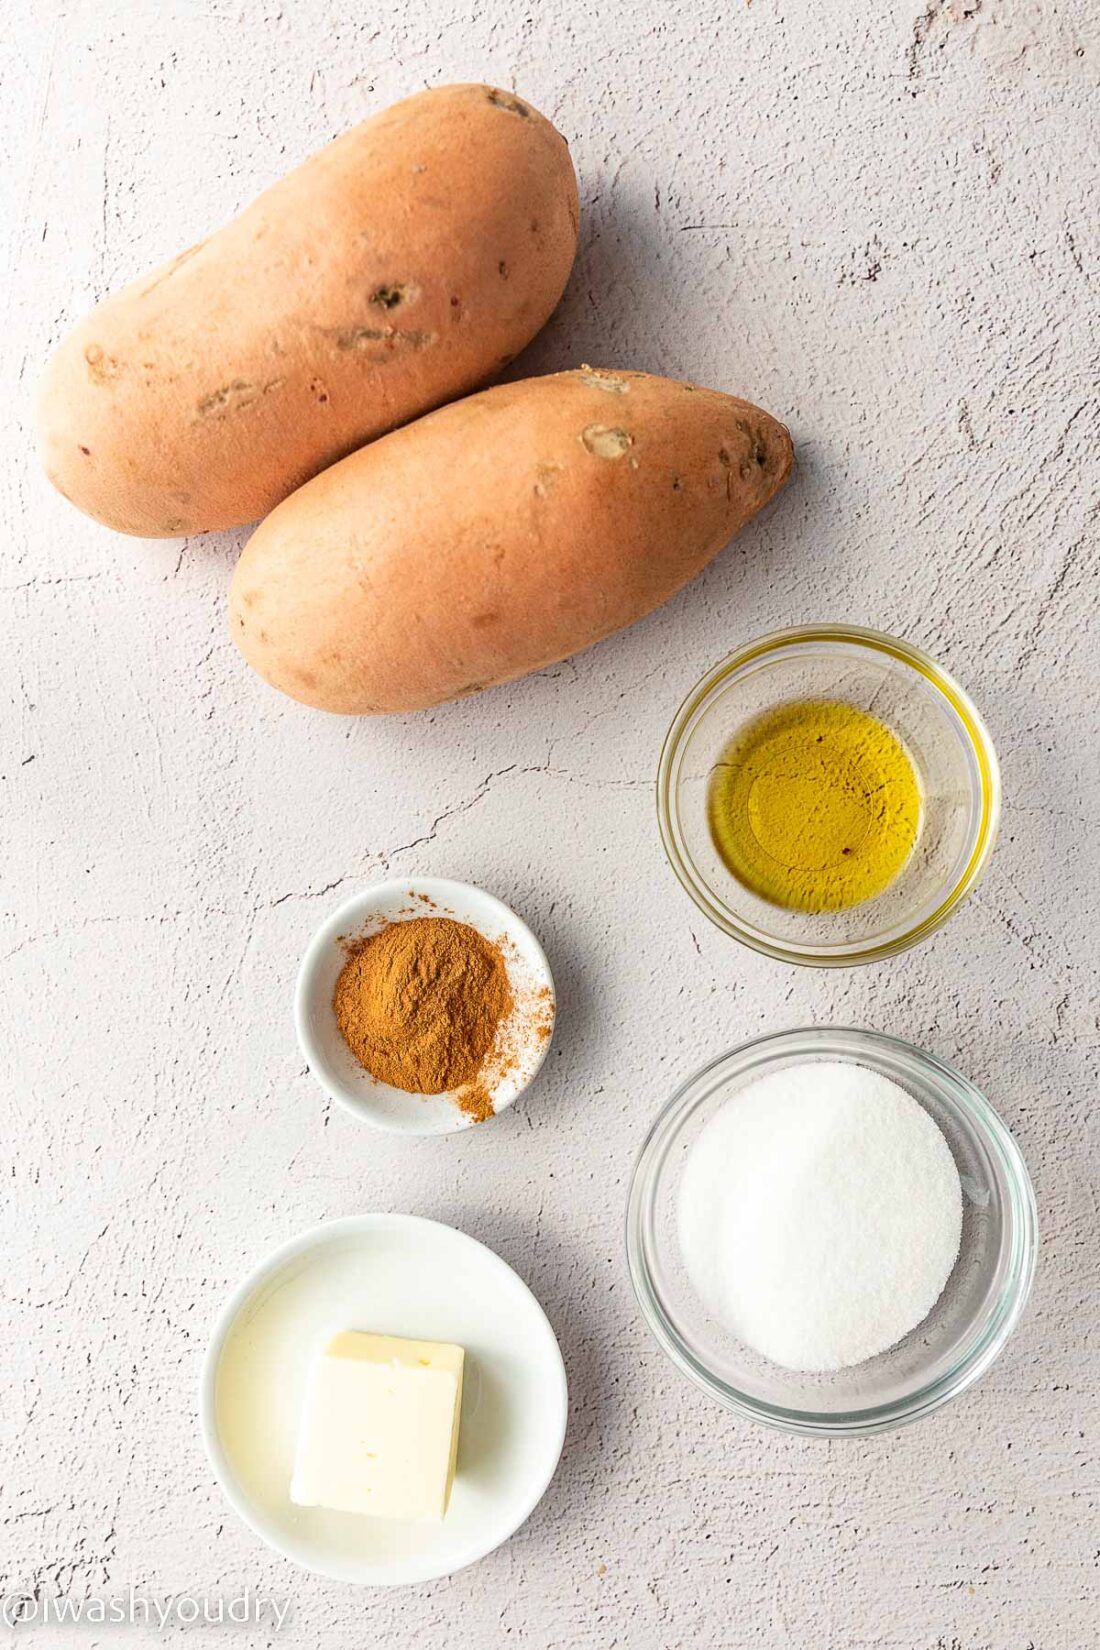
<point>961,1095</point>
<point>980,742</point>
<point>356,908</point>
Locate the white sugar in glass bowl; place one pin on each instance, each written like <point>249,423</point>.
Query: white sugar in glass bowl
<point>937,1360</point>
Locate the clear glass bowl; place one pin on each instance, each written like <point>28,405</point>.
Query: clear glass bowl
<point>945,1354</point>
<point>920,702</point>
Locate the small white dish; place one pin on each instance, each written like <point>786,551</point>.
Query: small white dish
<point>401,1275</point>
<point>330,1059</point>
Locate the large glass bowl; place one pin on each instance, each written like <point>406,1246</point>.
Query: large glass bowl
<point>919,701</point>
<point>942,1356</point>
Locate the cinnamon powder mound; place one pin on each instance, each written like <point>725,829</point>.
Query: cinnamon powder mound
<point>419,1004</point>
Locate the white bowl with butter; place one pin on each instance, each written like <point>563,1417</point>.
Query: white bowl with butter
<point>382,1275</point>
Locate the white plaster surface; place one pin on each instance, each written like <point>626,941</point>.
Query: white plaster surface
<point>879,222</point>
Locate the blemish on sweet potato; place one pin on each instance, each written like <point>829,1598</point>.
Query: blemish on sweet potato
<point>604,381</point>
<point>102,368</point>
<point>234,397</point>
<point>546,479</point>
<point>361,338</point>
<point>87,451</point>
<point>606,440</point>
<point>389,297</point>
<point>501,100</point>
<point>239,392</point>
<point>502,270</point>
<point>756,457</point>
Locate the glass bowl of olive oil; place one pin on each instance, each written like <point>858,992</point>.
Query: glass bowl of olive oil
<point>828,795</point>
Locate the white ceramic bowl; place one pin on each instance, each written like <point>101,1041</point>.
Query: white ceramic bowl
<point>329,1057</point>
<point>400,1275</point>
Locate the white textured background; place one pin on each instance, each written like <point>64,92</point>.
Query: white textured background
<point>879,222</point>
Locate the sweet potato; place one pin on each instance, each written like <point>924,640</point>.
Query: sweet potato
<point>398,268</point>
<point>497,535</point>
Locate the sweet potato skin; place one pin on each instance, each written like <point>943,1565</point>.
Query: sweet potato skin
<point>401,266</point>
<point>498,535</point>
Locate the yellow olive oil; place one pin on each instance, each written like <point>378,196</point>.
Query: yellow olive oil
<point>815,805</point>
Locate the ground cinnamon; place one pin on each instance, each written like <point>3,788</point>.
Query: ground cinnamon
<point>419,1003</point>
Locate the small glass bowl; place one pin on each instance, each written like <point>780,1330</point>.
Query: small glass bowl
<point>917,700</point>
<point>944,1354</point>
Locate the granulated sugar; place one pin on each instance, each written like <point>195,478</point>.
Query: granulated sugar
<point>820,1213</point>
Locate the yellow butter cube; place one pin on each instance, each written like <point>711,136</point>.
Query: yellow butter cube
<point>379,1428</point>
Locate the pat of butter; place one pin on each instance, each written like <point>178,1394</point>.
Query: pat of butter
<point>379,1429</point>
